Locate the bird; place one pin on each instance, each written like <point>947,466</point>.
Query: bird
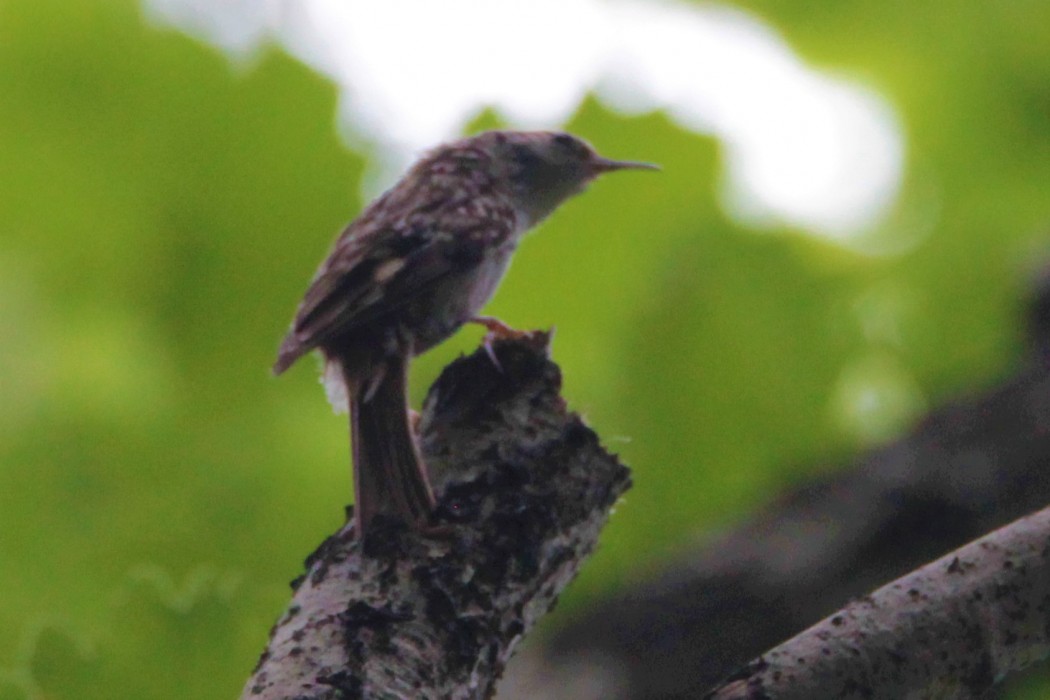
<point>418,263</point>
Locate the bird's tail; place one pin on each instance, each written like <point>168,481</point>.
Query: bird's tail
<point>389,475</point>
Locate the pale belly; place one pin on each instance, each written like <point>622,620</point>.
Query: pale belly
<point>457,300</point>
<point>420,324</point>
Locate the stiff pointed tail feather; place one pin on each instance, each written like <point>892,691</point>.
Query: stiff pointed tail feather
<point>389,475</point>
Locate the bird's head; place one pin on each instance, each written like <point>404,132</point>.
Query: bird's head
<point>544,168</point>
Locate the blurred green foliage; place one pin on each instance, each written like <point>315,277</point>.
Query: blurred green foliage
<point>162,209</point>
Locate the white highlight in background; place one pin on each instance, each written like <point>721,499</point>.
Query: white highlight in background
<point>803,148</point>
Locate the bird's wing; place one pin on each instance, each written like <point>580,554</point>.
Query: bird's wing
<point>373,270</point>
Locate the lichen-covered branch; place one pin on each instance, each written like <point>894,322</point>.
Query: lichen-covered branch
<point>948,630</point>
<point>524,489</point>
<point>973,464</point>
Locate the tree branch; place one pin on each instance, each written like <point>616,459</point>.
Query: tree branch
<point>524,489</point>
<point>972,465</point>
<point>948,630</point>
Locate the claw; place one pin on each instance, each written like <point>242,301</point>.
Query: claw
<point>498,330</point>
<point>491,352</point>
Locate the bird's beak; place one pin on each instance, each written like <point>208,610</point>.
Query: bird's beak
<point>605,165</point>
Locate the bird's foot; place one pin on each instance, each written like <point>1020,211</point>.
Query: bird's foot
<point>498,330</point>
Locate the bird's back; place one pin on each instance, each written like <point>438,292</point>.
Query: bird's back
<point>445,217</point>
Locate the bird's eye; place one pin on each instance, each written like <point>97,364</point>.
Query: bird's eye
<point>573,146</point>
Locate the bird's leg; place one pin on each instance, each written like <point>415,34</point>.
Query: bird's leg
<point>497,330</point>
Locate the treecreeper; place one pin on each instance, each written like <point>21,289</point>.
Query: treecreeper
<point>418,263</point>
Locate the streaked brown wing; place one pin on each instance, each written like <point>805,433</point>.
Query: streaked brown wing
<point>362,282</point>
<point>355,291</point>
<point>436,221</point>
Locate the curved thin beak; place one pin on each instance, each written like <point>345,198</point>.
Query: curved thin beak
<point>605,165</point>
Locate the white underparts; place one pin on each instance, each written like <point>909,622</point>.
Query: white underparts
<point>335,386</point>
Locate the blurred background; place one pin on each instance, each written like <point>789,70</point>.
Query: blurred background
<point>853,202</point>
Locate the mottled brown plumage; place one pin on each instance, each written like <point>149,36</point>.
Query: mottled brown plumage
<point>417,264</point>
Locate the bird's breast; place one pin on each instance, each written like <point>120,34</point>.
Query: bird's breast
<point>459,298</point>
